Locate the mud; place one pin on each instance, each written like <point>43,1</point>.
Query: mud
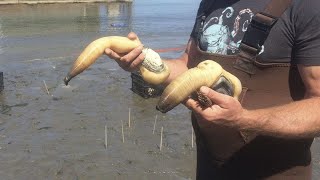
<point>61,134</point>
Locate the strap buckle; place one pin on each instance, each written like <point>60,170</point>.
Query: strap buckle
<point>258,30</point>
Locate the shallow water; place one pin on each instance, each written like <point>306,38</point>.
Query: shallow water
<point>61,135</point>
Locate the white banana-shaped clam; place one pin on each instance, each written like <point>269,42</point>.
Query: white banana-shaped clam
<point>153,70</point>
<point>207,73</point>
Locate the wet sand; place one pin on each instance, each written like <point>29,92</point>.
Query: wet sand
<point>61,135</point>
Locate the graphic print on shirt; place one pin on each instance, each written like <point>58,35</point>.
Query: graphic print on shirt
<point>218,38</point>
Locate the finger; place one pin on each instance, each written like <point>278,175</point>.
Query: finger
<point>131,56</point>
<point>136,63</point>
<point>115,56</point>
<point>112,54</point>
<point>193,105</point>
<point>217,98</point>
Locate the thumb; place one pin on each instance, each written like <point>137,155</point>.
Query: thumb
<point>217,98</point>
<point>133,36</point>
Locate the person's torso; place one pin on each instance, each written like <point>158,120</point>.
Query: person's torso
<point>223,31</point>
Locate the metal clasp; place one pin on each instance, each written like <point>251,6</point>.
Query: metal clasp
<point>258,30</point>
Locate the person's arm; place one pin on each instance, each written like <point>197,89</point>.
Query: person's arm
<point>179,65</point>
<point>297,119</point>
<point>300,119</point>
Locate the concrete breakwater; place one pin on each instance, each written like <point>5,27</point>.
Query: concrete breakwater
<point>56,1</point>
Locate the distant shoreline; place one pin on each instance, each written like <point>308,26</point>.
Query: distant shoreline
<point>4,2</point>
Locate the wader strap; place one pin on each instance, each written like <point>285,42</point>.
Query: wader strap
<point>256,34</point>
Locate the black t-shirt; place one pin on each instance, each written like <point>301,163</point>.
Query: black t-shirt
<point>295,36</point>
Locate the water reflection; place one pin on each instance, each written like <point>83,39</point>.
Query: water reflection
<point>1,38</point>
<point>115,16</point>
<point>103,18</point>
<point>41,18</point>
<point>63,29</point>
<point>106,18</point>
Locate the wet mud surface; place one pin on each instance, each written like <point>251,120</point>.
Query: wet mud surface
<point>61,134</point>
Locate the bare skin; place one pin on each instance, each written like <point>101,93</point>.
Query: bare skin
<point>300,119</point>
<point>130,61</point>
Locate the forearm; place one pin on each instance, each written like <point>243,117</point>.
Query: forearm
<point>177,67</point>
<point>300,119</point>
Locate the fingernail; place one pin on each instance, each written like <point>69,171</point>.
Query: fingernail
<point>107,51</point>
<point>141,46</point>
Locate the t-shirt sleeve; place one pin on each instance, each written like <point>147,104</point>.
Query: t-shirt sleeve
<point>306,47</point>
<point>200,11</point>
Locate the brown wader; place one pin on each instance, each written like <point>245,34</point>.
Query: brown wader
<point>225,153</point>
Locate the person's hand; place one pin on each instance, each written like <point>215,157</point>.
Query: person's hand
<point>130,61</point>
<point>225,111</point>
